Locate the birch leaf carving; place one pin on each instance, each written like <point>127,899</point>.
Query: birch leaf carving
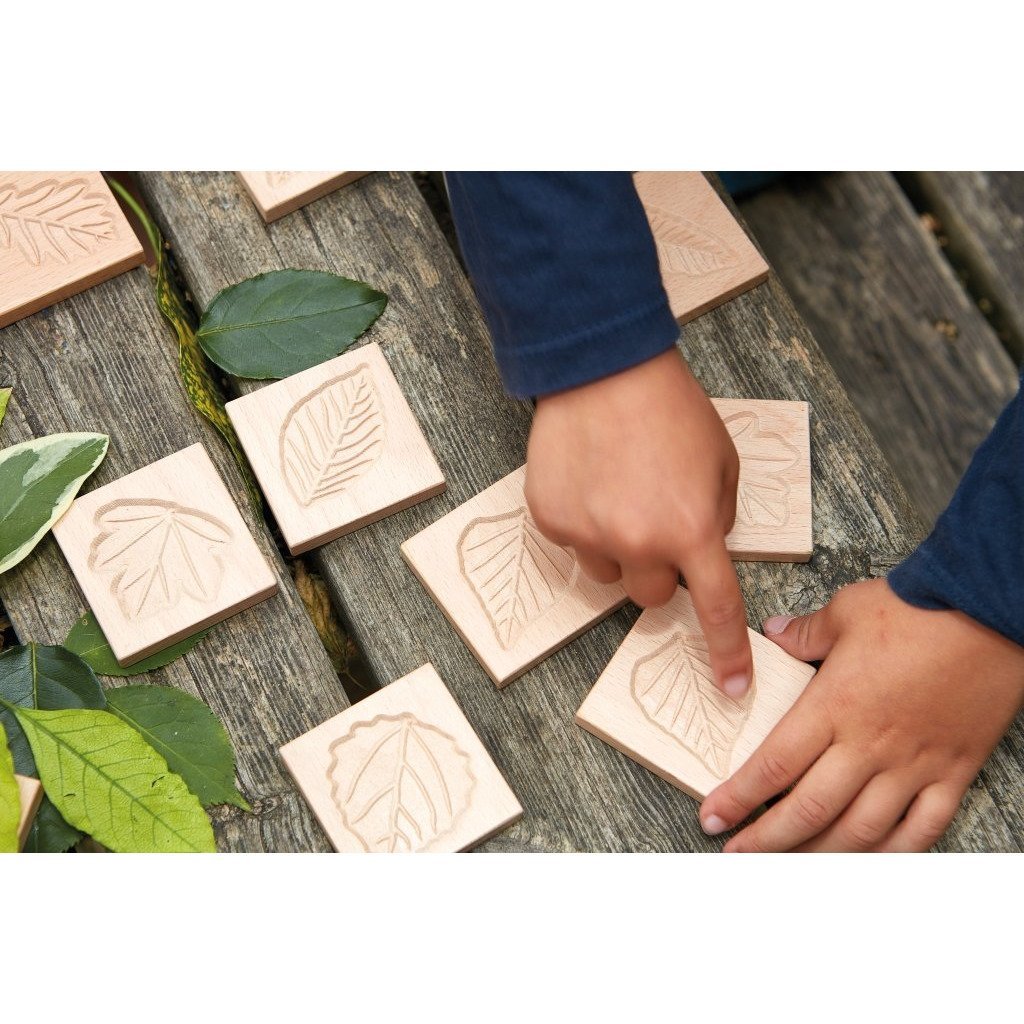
<point>675,688</point>
<point>399,783</point>
<point>515,572</point>
<point>158,552</point>
<point>332,437</point>
<point>762,497</point>
<point>685,247</point>
<point>55,219</point>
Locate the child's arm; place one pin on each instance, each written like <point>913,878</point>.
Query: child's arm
<point>628,461</point>
<point>922,675</point>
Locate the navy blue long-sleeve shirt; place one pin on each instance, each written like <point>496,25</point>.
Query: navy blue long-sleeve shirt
<point>567,273</point>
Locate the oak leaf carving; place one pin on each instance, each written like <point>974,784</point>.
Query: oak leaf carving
<point>399,784</point>
<point>675,689</point>
<point>684,247</point>
<point>56,219</point>
<point>515,572</point>
<point>332,437</point>
<point>158,552</point>
<point>762,496</point>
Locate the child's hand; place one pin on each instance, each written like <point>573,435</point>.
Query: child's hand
<point>638,474</point>
<point>899,719</point>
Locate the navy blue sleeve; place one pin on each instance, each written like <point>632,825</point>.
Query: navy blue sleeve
<point>567,274</point>
<point>974,558</point>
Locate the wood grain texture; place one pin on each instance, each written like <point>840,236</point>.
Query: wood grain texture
<point>104,360</point>
<point>705,255</point>
<point>982,218</point>
<point>335,447</point>
<point>30,792</point>
<point>277,193</point>
<point>60,233</point>
<point>578,794</point>
<point>657,702</point>
<point>162,553</point>
<point>916,357</point>
<point>402,772</point>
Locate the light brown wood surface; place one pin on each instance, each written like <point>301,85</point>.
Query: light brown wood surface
<point>276,193</point>
<point>335,447</point>
<point>162,553</point>
<point>773,503</point>
<point>512,595</point>
<point>402,772</point>
<point>60,233</point>
<point>705,255</point>
<point>658,704</point>
<point>30,792</point>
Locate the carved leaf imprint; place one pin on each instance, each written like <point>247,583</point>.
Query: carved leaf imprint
<point>675,688</point>
<point>157,552</point>
<point>399,783</point>
<point>515,572</point>
<point>278,178</point>
<point>685,247</point>
<point>54,218</point>
<point>762,498</point>
<point>332,436</point>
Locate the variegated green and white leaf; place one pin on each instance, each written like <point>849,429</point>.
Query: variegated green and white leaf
<point>10,799</point>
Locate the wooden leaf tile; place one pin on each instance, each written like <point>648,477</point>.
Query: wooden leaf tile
<point>30,792</point>
<point>276,193</point>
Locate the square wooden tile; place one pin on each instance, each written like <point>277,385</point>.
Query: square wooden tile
<point>162,553</point>
<point>335,447</point>
<point>512,595</point>
<point>31,793</point>
<point>706,257</point>
<point>656,701</point>
<point>402,772</point>
<point>60,233</point>
<point>773,500</point>
<point>276,193</point>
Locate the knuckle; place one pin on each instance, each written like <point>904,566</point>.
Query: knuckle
<point>722,613</point>
<point>864,833</point>
<point>773,771</point>
<point>932,825</point>
<point>811,811</point>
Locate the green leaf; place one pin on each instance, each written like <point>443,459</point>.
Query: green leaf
<point>51,678</point>
<point>187,734</point>
<point>276,324</point>
<point>86,639</point>
<point>5,395</point>
<point>50,833</point>
<point>38,481</point>
<point>107,781</point>
<point>10,799</point>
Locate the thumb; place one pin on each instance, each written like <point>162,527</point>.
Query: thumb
<point>807,637</point>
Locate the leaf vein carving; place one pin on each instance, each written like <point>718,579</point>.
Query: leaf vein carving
<point>685,247</point>
<point>763,493</point>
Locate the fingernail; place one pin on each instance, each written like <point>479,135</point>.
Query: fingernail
<point>736,686</point>
<point>776,624</point>
<point>713,825</point>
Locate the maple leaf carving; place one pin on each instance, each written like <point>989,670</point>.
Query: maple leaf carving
<point>684,247</point>
<point>332,437</point>
<point>675,688</point>
<point>55,219</point>
<point>158,552</point>
<point>516,573</point>
<point>399,783</point>
<point>762,496</point>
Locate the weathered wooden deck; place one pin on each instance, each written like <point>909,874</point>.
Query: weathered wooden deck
<point>104,360</point>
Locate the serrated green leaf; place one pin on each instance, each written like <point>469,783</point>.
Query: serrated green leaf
<point>50,833</point>
<point>106,780</point>
<point>187,734</point>
<point>51,678</point>
<point>38,481</point>
<point>10,799</point>
<point>86,639</point>
<point>5,396</point>
<point>284,321</point>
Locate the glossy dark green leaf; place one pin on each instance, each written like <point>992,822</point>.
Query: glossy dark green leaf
<point>50,833</point>
<point>187,734</point>
<point>279,323</point>
<point>86,639</point>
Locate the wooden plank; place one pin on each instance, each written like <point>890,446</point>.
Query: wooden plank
<point>578,794</point>
<point>402,772</point>
<point>981,215</point>
<point>104,360</point>
<point>60,233</point>
<point>918,360</point>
